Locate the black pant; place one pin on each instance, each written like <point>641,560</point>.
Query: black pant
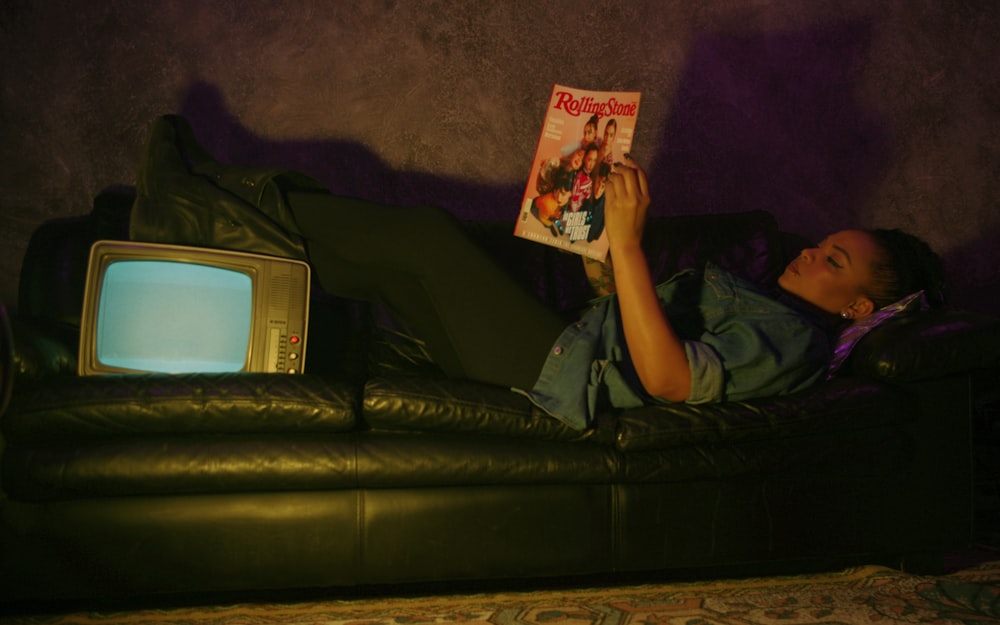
<point>476,320</point>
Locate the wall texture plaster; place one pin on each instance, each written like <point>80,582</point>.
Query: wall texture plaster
<point>829,114</point>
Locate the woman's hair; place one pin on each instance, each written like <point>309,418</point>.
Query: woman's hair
<point>909,265</point>
<point>562,180</point>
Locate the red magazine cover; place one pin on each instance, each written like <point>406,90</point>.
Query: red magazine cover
<point>583,135</point>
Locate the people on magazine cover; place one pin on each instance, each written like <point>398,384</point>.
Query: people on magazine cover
<point>583,180</point>
<point>607,142</point>
<point>578,120</point>
<point>587,196</point>
<point>548,168</point>
<point>595,205</point>
<point>589,137</point>
<point>548,208</point>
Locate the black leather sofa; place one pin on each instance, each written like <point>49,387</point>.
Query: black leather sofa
<point>374,469</point>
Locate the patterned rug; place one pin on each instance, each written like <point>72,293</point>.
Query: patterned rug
<point>857,595</point>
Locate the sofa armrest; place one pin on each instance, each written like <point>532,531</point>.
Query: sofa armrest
<point>43,348</point>
<point>927,345</point>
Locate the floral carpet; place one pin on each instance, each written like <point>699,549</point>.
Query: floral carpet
<point>857,595</point>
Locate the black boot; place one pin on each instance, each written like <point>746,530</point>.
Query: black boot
<point>266,189</point>
<point>195,157</point>
<point>185,196</point>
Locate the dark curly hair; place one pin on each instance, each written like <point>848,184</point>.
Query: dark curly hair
<point>562,180</point>
<point>909,265</point>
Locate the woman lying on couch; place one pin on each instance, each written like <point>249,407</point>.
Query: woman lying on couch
<point>702,336</point>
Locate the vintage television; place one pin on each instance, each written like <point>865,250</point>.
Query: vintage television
<point>158,308</point>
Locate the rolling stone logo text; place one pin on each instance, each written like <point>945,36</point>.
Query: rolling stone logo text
<point>587,105</point>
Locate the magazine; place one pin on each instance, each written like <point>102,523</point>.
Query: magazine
<point>584,133</point>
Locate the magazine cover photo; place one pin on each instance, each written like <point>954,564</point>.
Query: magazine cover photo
<point>583,134</point>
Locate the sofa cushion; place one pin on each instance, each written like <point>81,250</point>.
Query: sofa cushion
<point>846,456</point>
<point>850,336</point>
<point>411,403</point>
<point>42,348</point>
<point>181,464</point>
<point>930,344</point>
<point>71,407</point>
<point>748,244</point>
<point>841,404</point>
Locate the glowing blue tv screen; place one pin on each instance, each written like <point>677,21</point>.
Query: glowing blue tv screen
<point>174,317</point>
<point>162,308</point>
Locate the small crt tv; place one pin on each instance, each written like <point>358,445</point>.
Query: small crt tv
<point>158,308</point>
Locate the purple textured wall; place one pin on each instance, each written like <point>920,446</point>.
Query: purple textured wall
<point>866,113</point>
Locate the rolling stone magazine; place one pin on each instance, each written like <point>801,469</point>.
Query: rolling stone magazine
<point>584,133</point>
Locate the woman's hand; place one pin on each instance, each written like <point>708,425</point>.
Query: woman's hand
<point>626,204</point>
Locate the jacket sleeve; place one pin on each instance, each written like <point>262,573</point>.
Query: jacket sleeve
<point>756,357</point>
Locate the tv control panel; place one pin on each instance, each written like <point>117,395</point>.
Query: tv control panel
<point>284,351</point>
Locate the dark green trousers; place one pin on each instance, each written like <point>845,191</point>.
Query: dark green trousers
<point>477,321</point>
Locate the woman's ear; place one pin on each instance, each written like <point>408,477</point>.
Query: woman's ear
<point>859,309</point>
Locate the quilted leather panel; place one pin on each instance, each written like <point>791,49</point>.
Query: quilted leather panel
<point>839,405</point>
<point>928,345</point>
<point>71,407</point>
<point>444,405</point>
<point>861,452</point>
<point>174,465</point>
<point>417,460</point>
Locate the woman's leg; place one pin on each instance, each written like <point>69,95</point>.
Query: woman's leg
<point>476,320</point>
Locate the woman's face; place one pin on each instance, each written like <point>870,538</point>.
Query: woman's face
<point>590,162</point>
<point>835,274</point>
<point>589,134</point>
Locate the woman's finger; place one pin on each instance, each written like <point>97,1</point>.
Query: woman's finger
<point>618,185</point>
<point>642,182</point>
<point>627,175</point>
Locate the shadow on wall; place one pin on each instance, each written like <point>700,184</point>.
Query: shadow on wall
<point>974,275</point>
<point>759,121</point>
<point>771,122</point>
<point>345,168</point>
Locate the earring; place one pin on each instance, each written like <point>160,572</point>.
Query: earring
<point>844,315</point>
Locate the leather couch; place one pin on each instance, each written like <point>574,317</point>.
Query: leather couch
<point>373,469</point>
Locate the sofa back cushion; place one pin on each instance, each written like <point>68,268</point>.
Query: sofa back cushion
<point>54,268</point>
<point>128,406</point>
<point>422,404</point>
<point>748,244</point>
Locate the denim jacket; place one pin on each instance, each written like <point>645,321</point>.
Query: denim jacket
<point>740,344</point>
